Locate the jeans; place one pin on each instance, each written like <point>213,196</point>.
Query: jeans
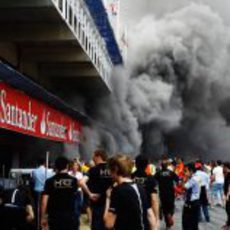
<point>204,209</point>
<point>77,206</point>
<point>218,192</point>
<point>204,204</point>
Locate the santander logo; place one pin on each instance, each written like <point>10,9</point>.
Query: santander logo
<point>24,114</point>
<point>17,115</point>
<point>73,133</point>
<point>51,128</point>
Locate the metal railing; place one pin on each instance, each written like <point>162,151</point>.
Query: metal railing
<point>79,20</point>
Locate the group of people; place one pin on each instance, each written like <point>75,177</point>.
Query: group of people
<point>120,193</point>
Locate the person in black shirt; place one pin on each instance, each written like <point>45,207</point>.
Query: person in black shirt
<point>127,206</point>
<point>99,180</point>
<point>58,198</point>
<point>148,182</point>
<point>227,193</point>
<point>13,216</point>
<point>21,198</point>
<point>166,179</point>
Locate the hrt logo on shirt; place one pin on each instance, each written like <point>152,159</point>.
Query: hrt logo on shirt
<point>140,180</point>
<point>105,173</point>
<point>63,183</point>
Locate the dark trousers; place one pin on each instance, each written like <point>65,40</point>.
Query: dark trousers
<point>190,215</point>
<point>227,208</point>
<point>204,204</point>
<point>77,206</point>
<point>167,208</point>
<point>97,218</point>
<point>62,221</point>
<point>37,201</point>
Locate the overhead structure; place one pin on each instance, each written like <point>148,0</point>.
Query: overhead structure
<point>65,45</point>
<point>50,51</point>
<point>101,20</point>
<point>18,81</point>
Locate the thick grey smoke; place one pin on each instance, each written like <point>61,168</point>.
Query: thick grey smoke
<point>175,92</point>
<point>132,11</point>
<point>117,127</point>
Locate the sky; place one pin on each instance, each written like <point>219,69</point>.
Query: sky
<point>134,10</point>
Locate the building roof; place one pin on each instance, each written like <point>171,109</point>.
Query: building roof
<point>100,17</point>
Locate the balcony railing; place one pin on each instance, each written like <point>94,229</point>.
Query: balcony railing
<point>79,20</point>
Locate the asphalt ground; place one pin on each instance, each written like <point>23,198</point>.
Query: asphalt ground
<point>217,219</point>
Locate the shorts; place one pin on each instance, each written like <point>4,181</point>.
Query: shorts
<point>168,206</point>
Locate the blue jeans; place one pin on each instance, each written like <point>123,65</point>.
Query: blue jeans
<point>204,208</point>
<point>218,192</point>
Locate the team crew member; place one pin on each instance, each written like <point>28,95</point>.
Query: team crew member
<point>16,210</point>
<point>21,197</point>
<point>148,182</point>
<point>126,204</point>
<point>191,210</point>
<point>227,193</point>
<point>59,197</point>
<point>166,180</point>
<point>99,180</point>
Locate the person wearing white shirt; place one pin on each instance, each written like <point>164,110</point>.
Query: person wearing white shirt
<point>191,209</point>
<point>204,203</point>
<point>218,183</point>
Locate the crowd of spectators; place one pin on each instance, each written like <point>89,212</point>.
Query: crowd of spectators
<point>117,193</point>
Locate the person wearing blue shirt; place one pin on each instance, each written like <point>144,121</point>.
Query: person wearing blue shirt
<point>205,181</point>
<point>191,209</point>
<point>39,175</point>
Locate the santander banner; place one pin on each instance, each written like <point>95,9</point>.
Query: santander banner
<point>23,114</point>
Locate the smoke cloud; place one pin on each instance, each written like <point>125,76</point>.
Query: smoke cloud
<point>174,93</point>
